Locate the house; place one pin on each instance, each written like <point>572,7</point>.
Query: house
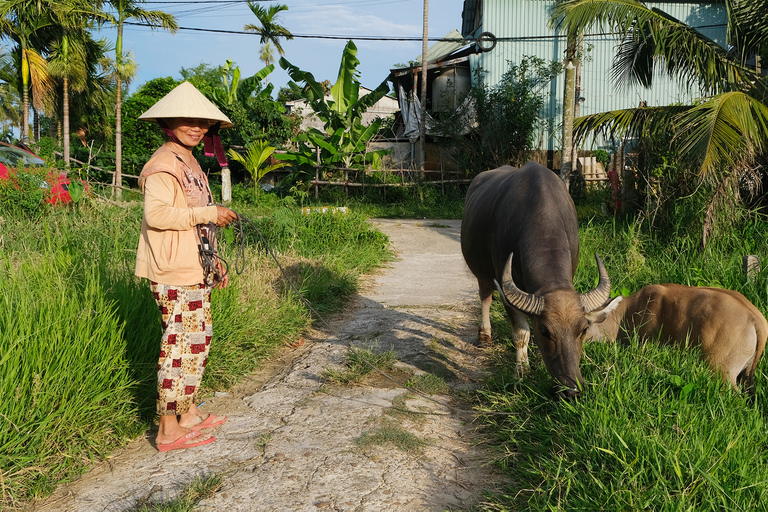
<point>448,79</point>
<point>513,28</point>
<point>383,108</point>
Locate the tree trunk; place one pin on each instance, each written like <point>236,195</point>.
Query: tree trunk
<point>36,124</point>
<point>118,144</point>
<point>24,135</point>
<point>66,121</point>
<point>423,124</point>
<point>569,95</point>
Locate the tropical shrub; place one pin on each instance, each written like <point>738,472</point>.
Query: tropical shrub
<point>496,126</point>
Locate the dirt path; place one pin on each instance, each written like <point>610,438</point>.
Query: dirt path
<point>290,443</point>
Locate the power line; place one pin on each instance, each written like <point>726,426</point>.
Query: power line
<point>390,38</point>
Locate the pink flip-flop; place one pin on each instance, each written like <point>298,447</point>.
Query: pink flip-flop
<point>185,442</point>
<point>209,422</point>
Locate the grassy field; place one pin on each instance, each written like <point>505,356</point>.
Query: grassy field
<point>655,430</point>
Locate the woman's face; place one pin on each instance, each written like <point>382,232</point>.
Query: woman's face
<point>189,131</point>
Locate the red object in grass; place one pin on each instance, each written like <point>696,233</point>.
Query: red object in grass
<point>12,157</point>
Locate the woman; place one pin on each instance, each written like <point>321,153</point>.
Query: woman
<point>177,255</point>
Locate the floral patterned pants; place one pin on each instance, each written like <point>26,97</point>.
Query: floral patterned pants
<point>187,333</point>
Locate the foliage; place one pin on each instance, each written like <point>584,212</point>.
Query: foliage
<point>24,191</point>
<point>257,154</point>
<point>720,138</point>
<point>344,142</point>
<point>496,126</point>
<point>286,94</point>
<point>602,157</point>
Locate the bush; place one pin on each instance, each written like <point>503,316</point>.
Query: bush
<point>505,116</point>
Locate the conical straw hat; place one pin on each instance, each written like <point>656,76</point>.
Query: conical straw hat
<point>185,101</point>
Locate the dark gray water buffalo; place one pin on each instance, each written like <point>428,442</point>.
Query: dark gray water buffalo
<point>728,329</point>
<point>519,229</point>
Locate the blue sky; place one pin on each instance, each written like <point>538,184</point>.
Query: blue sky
<point>160,54</point>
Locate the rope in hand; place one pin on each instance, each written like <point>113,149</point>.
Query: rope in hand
<point>239,260</point>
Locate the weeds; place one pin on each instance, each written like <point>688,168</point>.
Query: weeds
<point>200,488</point>
<point>78,330</point>
<point>391,434</point>
<point>360,362</point>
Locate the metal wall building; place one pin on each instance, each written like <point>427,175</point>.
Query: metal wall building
<point>521,28</point>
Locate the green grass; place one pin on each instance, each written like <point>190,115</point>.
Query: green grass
<point>390,433</point>
<point>655,430</point>
<point>361,362</point>
<point>199,489</point>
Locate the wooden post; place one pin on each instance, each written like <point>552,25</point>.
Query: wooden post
<point>423,124</point>
<point>317,172</point>
<point>751,266</point>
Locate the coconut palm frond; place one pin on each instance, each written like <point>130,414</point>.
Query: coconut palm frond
<point>654,41</point>
<point>41,81</point>
<point>725,131</point>
<point>627,123</point>
<point>747,27</point>
<point>576,16</point>
<point>269,29</point>
<point>155,19</point>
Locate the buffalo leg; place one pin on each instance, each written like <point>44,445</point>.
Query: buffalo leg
<point>486,296</point>
<point>521,334</point>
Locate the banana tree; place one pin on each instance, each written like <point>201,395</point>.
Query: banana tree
<point>257,153</point>
<point>345,138</point>
<point>241,90</point>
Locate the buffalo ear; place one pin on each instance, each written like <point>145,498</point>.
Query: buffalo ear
<point>600,316</point>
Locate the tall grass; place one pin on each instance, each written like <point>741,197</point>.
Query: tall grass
<point>656,430</point>
<point>79,333</point>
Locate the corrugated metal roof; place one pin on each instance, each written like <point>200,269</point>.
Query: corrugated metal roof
<point>447,44</point>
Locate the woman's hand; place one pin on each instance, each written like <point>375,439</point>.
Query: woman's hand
<point>220,269</point>
<point>224,216</point>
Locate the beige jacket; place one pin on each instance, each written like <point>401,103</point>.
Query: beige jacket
<point>168,246</point>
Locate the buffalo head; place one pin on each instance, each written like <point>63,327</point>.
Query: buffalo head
<point>560,320</point>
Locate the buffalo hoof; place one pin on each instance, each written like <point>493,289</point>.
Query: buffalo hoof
<point>522,368</point>
<point>484,340</point>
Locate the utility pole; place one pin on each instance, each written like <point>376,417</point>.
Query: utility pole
<point>423,124</point>
<point>569,98</point>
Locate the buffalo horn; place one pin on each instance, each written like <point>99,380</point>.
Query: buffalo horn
<point>595,299</point>
<point>528,303</point>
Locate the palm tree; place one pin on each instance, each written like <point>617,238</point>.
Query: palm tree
<point>726,131</point>
<point>10,111</point>
<point>125,68</point>
<point>23,21</point>
<point>269,30</point>
<point>266,54</point>
<point>728,126</point>
<point>88,79</point>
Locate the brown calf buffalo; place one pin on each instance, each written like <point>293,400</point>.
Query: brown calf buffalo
<point>729,330</point>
